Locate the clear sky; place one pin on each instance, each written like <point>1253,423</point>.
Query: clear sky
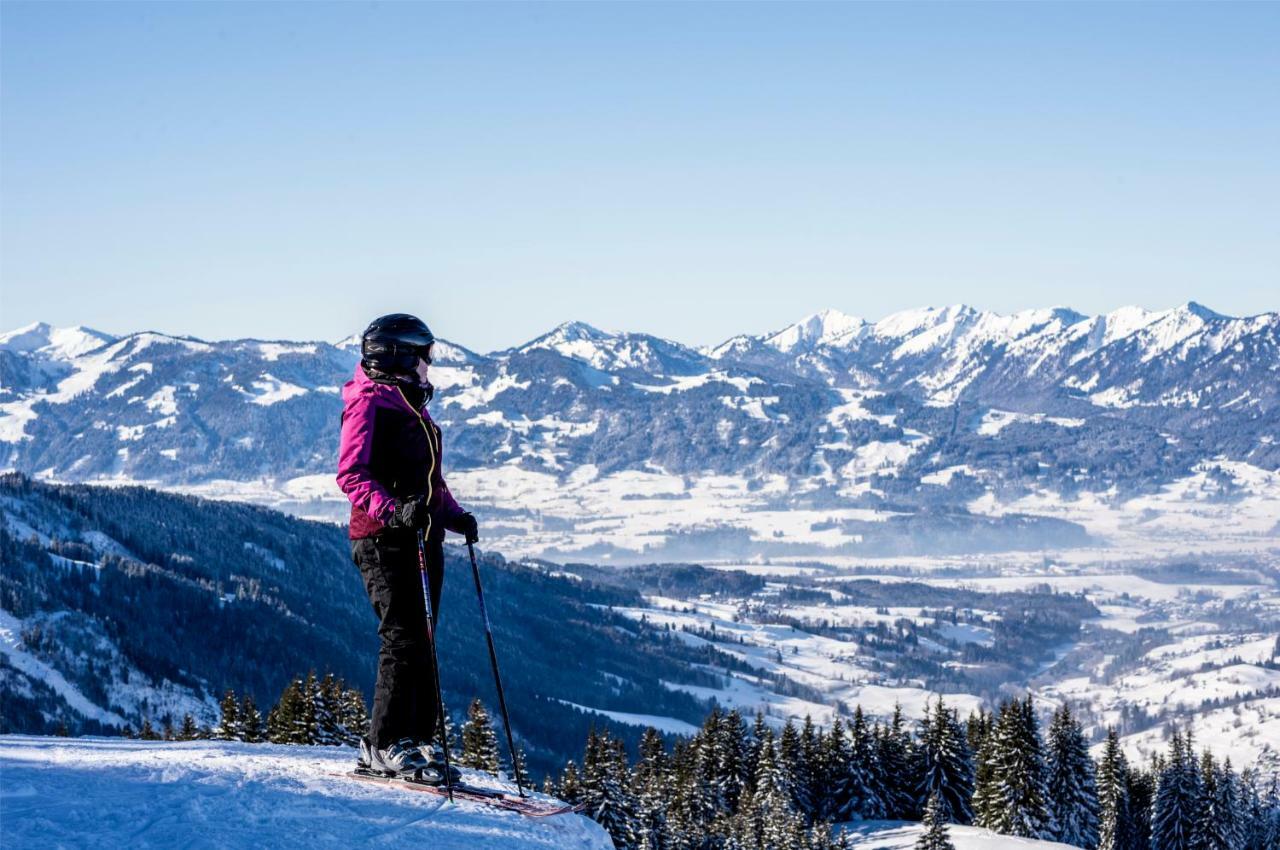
<point>690,170</point>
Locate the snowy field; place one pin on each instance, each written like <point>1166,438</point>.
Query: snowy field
<point>896,835</point>
<point>113,793</point>
<point>584,513</point>
<point>1159,652</point>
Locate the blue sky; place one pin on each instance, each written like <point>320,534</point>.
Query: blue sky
<point>691,170</point>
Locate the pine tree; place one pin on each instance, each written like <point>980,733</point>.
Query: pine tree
<point>864,778</point>
<point>893,752</point>
<point>767,818</point>
<point>147,733</point>
<point>935,835</point>
<point>307,721</point>
<point>1217,812</point>
<point>479,741</point>
<point>944,766</point>
<point>986,785</point>
<point>811,755</point>
<point>729,759</point>
<point>1020,807</point>
<point>286,721</point>
<point>327,697</point>
<point>1115,830</point>
<point>1141,788</point>
<point>834,774</point>
<point>1228,805</point>
<point>353,716</point>
<point>977,728</point>
<point>700,795</point>
<point>651,783</point>
<point>758,728</point>
<point>228,728</point>
<point>570,786</point>
<point>791,760</point>
<point>605,791</point>
<point>1174,813</point>
<point>251,728</point>
<point>1073,795</point>
<point>189,731</point>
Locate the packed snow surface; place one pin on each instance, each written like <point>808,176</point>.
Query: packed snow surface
<point>115,792</point>
<point>897,835</point>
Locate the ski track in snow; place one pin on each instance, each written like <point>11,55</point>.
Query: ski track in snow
<point>116,792</point>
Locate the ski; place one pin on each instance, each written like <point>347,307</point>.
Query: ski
<point>471,793</point>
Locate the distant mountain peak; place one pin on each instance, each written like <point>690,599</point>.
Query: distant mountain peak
<point>59,343</point>
<point>1197,309</point>
<point>825,327</point>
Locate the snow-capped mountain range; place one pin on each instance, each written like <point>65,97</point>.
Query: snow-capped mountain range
<point>837,421</point>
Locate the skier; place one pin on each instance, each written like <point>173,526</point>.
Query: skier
<point>389,465</point>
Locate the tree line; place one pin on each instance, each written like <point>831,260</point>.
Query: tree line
<point>735,786</point>
<point>740,786</point>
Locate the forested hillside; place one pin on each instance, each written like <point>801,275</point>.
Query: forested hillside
<point>125,604</point>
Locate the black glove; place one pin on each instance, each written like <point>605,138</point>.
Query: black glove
<point>466,526</point>
<point>409,513</point>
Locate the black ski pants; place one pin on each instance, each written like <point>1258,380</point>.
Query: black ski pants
<point>404,697</point>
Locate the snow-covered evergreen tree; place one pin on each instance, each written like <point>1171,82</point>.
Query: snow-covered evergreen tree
<point>986,787</point>
<point>569,788</point>
<point>1073,795</point>
<point>189,731</point>
<point>943,766</point>
<point>1141,788</point>
<point>228,728</point>
<point>1020,805</point>
<point>768,818</point>
<point>1228,805</point>
<point>808,792</point>
<point>1259,811</point>
<point>1115,829</point>
<point>935,835</point>
<point>893,752</point>
<point>864,778</point>
<point>651,783</point>
<point>284,721</point>
<point>834,774</point>
<point>479,740</point>
<point>251,728</point>
<point>792,764</point>
<point>730,758</point>
<point>1173,816</point>
<point>353,716</point>
<point>605,790</point>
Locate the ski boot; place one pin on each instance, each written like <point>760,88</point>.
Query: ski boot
<point>400,759</point>
<point>435,766</point>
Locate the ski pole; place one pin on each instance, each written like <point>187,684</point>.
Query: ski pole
<point>435,660</point>
<point>493,659</point>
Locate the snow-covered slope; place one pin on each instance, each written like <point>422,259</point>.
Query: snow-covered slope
<point>895,835</point>
<point>113,792</point>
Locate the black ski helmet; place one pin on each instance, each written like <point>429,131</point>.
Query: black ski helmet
<point>394,343</point>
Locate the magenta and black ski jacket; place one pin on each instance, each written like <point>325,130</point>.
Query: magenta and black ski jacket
<point>389,450</point>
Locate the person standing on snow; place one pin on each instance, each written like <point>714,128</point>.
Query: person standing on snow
<point>389,465</point>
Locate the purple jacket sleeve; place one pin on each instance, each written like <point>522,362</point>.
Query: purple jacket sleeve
<point>449,508</point>
<point>355,449</point>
